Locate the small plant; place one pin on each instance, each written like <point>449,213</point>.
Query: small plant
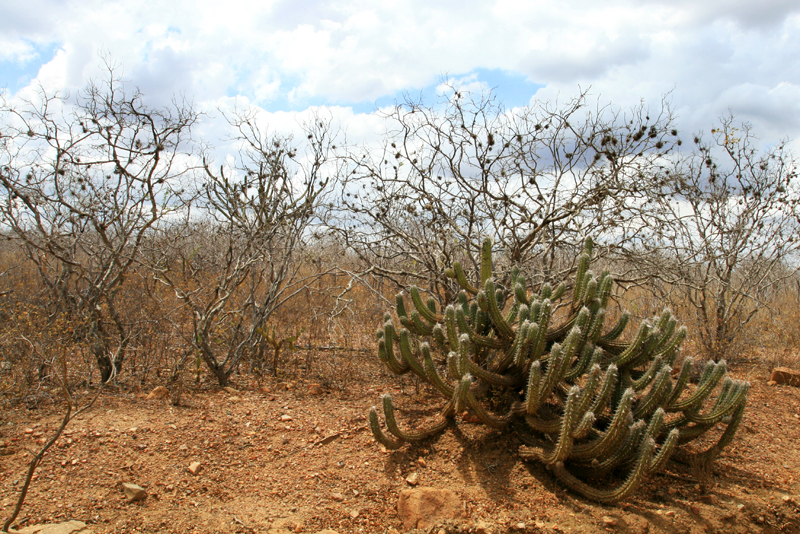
<point>585,403</point>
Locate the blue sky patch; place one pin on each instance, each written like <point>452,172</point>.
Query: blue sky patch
<point>14,75</point>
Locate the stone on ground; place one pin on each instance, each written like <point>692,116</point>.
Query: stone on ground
<point>784,375</point>
<point>134,492</point>
<point>195,468</point>
<point>68,527</point>
<point>423,507</point>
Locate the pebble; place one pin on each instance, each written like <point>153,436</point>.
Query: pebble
<point>609,521</point>
<point>412,479</point>
<point>338,497</point>
<point>285,417</point>
<point>133,492</point>
<point>195,468</point>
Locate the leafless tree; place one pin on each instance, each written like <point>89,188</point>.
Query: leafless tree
<point>82,182</point>
<point>724,231</point>
<point>232,257</point>
<point>535,179</point>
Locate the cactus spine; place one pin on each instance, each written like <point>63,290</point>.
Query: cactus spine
<point>588,404</point>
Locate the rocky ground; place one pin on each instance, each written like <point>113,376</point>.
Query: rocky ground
<point>279,457</point>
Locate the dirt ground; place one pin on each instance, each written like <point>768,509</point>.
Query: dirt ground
<point>283,456</point>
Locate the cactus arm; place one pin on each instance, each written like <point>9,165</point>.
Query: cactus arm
<point>450,326</point>
<point>432,374</point>
<point>408,356</point>
<point>430,315</point>
<point>643,381</point>
<point>521,294</point>
<point>631,442</point>
<point>404,435</point>
<point>558,292</point>
<point>563,446</point>
<point>665,452</point>
<point>386,351</point>
<point>635,347</point>
<point>478,339</point>
<point>661,388</point>
<point>644,457</point>
<point>726,437</point>
<point>418,326</point>
<point>604,288</point>
<point>452,365</point>
<point>486,418</point>
<point>584,426</point>
<point>674,343</point>
<point>461,278</point>
<point>616,431</point>
<point>703,390</point>
<point>378,434</point>
<point>580,279</point>
<point>736,396</point>
<point>518,354</point>
<point>494,379</point>
<point>503,327</point>
<point>486,261</point>
<point>460,394</point>
<point>440,338</point>
<point>532,391</point>
<point>588,356</point>
<point>617,329</point>
<point>606,390</point>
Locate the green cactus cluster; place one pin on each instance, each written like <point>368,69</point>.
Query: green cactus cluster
<point>585,403</point>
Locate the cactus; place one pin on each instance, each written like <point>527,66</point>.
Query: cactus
<point>585,402</point>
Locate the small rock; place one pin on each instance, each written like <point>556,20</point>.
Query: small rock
<point>234,398</point>
<point>133,492</point>
<point>709,499</point>
<point>610,521</point>
<point>159,393</point>
<point>68,527</point>
<point>412,479</point>
<point>424,507</point>
<point>784,375</point>
<point>314,389</point>
<point>694,509</point>
<point>669,513</point>
<point>672,490</point>
<point>519,526</point>
<point>195,468</point>
<point>481,527</point>
<point>231,391</point>
<point>421,462</point>
<point>285,417</point>
<point>353,514</point>
<point>183,447</point>
<point>338,497</point>
<point>29,431</point>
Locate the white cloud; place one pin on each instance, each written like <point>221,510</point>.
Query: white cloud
<point>713,55</point>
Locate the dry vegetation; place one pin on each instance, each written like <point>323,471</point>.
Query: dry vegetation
<point>261,472</point>
<point>252,292</point>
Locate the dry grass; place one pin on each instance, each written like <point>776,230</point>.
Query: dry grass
<point>334,322</point>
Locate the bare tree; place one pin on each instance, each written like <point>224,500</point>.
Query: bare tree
<point>232,258</point>
<point>535,180</point>
<point>82,183</point>
<point>724,232</point>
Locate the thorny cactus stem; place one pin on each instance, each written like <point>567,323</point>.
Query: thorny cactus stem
<point>587,403</point>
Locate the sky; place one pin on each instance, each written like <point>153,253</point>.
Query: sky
<point>351,57</point>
